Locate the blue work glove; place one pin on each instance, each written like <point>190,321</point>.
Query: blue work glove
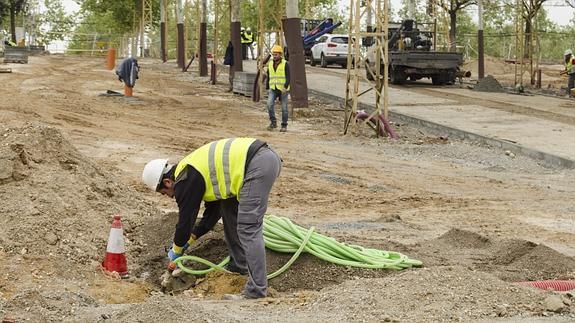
<point>174,254</point>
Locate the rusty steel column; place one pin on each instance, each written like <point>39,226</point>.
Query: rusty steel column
<point>203,50</point>
<point>181,41</point>
<point>235,27</point>
<point>298,81</point>
<point>163,51</point>
<point>203,40</point>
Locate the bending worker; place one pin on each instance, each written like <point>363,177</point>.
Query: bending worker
<point>278,83</point>
<point>569,70</point>
<point>234,178</point>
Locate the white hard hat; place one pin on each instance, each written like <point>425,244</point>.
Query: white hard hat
<point>243,28</point>
<point>249,29</point>
<point>153,172</point>
<point>567,52</point>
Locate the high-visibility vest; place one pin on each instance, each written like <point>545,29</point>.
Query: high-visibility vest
<point>222,165</point>
<point>277,76</point>
<point>569,66</point>
<point>245,38</point>
<point>249,37</point>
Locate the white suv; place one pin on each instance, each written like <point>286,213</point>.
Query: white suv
<point>330,49</point>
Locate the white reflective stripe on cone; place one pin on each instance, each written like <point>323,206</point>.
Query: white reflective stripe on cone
<point>116,241</point>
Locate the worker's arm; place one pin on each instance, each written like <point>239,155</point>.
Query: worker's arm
<point>287,76</point>
<point>189,192</point>
<point>211,216</point>
<point>267,79</point>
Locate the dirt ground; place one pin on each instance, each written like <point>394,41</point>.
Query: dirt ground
<point>479,218</point>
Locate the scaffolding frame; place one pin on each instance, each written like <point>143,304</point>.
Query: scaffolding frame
<point>356,59</point>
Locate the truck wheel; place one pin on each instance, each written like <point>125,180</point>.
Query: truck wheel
<point>323,62</point>
<point>398,76</point>
<point>440,79</point>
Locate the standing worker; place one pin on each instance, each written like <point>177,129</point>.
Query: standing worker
<point>278,83</point>
<point>234,178</point>
<point>250,42</point>
<point>229,60</point>
<point>245,42</point>
<point>569,70</point>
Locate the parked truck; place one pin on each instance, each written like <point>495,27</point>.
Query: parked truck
<point>411,56</point>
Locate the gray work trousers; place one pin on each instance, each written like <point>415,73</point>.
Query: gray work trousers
<point>243,221</point>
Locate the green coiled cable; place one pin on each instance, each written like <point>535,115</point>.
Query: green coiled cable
<point>282,235</point>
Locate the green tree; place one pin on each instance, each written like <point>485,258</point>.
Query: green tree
<point>55,24</point>
<point>14,8</point>
<point>453,7</point>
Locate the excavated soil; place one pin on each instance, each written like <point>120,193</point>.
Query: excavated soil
<point>480,220</point>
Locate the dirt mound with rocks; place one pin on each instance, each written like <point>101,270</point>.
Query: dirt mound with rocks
<point>488,84</point>
<point>56,201</point>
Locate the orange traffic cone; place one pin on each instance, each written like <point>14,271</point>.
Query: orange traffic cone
<point>115,259</point>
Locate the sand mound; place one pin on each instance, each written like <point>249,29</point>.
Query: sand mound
<point>512,260</point>
<point>540,263</point>
<point>433,294</point>
<point>55,201</point>
<point>464,239</point>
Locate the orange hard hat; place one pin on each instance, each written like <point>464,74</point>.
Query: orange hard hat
<point>277,49</point>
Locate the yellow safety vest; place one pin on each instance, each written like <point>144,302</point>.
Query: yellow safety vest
<point>278,76</point>
<point>569,66</point>
<point>222,164</point>
<point>246,38</point>
<point>250,36</point>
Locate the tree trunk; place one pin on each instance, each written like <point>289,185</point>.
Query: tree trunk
<point>13,21</point>
<point>527,40</point>
<point>452,30</point>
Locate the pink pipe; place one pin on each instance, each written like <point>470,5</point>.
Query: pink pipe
<point>383,131</point>
<point>556,285</point>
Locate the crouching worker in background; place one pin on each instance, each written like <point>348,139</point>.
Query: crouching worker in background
<point>234,178</point>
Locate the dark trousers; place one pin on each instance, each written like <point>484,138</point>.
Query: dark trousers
<point>571,84</point>
<point>243,221</point>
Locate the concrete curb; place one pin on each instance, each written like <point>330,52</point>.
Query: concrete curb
<point>545,158</point>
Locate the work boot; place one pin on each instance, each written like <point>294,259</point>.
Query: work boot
<point>283,129</point>
<point>234,297</point>
<point>235,269</point>
<point>272,126</point>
